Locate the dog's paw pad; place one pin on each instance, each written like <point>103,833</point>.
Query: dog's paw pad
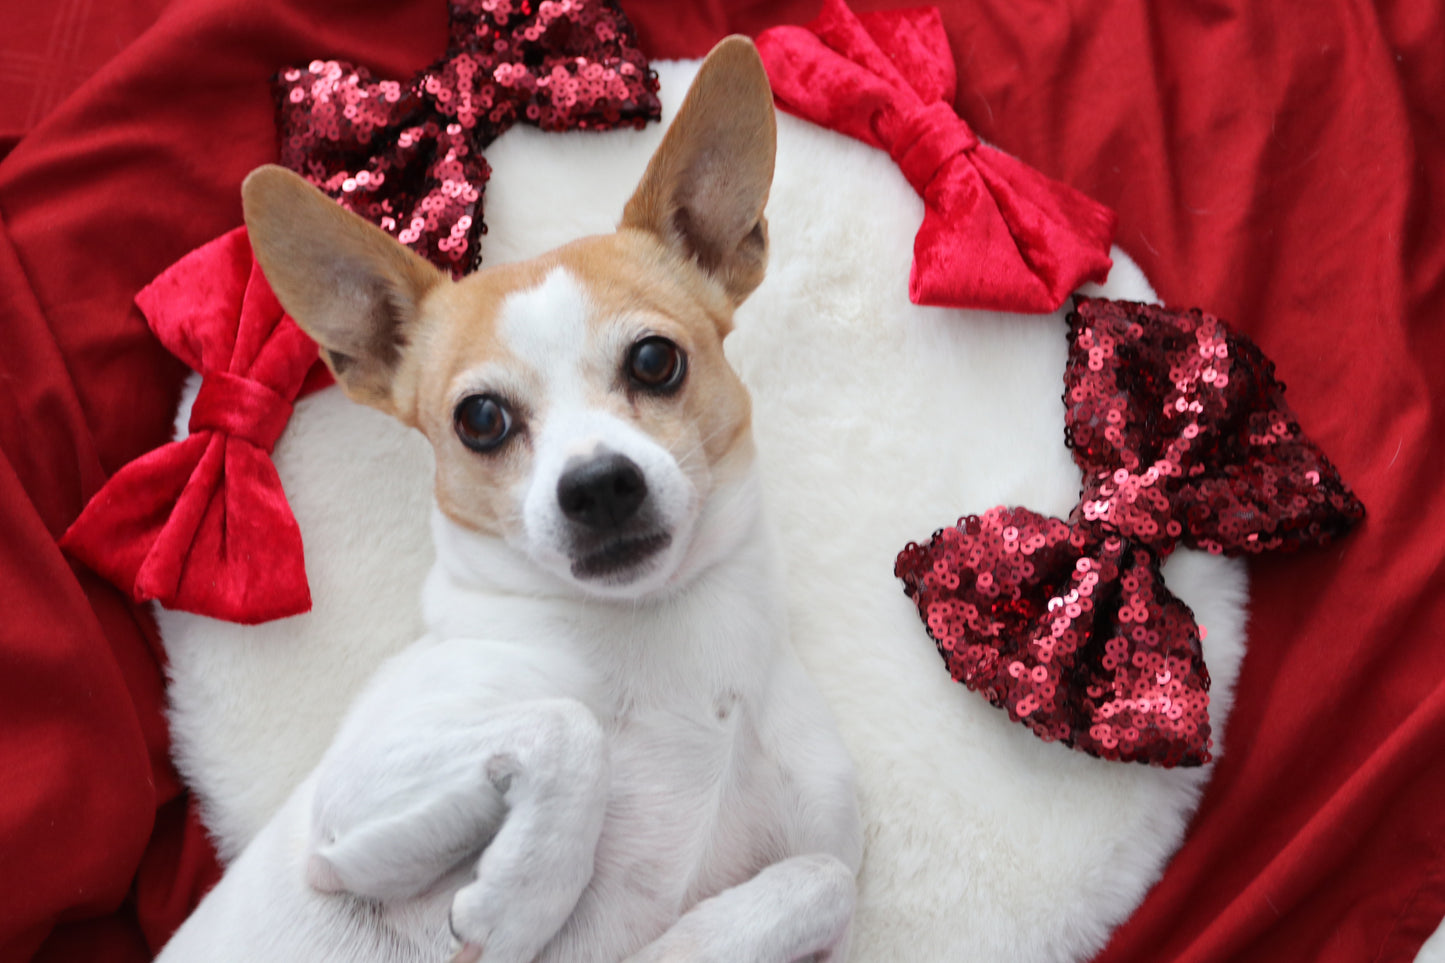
<point>473,916</point>
<point>467,953</point>
<point>509,930</point>
<point>321,875</point>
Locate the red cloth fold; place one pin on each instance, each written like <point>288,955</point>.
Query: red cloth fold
<point>996,233</point>
<point>202,524</point>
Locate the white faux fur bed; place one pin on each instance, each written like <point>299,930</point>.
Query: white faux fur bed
<point>877,422</point>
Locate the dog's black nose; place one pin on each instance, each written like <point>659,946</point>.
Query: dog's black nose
<point>602,492</point>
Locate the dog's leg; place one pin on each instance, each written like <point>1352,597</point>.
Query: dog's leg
<point>406,794</point>
<point>797,909</point>
<point>549,762</point>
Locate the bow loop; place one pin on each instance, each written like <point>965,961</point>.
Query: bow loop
<point>917,47</point>
<point>1071,631</point>
<point>1182,432</point>
<point>924,140</point>
<point>996,234</point>
<point>240,408</point>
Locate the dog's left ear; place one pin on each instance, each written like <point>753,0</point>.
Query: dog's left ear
<point>351,286</point>
<point>705,188</point>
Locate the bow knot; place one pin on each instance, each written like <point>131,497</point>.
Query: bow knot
<point>240,408</point>
<point>924,140</point>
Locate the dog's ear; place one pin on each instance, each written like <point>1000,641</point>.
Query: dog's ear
<point>351,286</point>
<point>705,188</point>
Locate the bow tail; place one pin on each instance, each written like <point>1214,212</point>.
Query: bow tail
<point>231,548</point>
<point>116,534</point>
<point>1140,691</point>
<point>446,225</point>
<point>965,254</point>
<point>1002,236</point>
<point>1008,598</point>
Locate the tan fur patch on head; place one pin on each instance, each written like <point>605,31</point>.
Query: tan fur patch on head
<point>460,333</point>
<point>634,287</point>
<point>692,246</point>
<point>632,274</point>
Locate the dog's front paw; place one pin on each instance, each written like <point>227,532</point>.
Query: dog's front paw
<point>464,952</point>
<point>509,924</point>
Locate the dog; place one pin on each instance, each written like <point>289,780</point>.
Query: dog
<point>604,748</point>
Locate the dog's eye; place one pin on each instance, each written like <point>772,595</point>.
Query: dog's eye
<point>482,422</point>
<point>656,364</point>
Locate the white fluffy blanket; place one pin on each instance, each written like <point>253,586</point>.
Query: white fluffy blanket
<point>877,422</point>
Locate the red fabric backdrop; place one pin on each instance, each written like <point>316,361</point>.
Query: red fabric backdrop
<point>1281,165</point>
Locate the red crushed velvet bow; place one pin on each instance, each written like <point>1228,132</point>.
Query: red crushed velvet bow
<point>202,524</point>
<point>407,156</point>
<point>1183,436</point>
<point>996,233</point>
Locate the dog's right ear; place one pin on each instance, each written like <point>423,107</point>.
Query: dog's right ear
<point>705,189</point>
<point>351,286</point>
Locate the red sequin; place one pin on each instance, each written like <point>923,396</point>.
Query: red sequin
<point>407,156</point>
<point>1183,435</point>
<point>1182,432</point>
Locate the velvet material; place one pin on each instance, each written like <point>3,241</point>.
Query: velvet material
<point>202,524</point>
<point>996,234</point>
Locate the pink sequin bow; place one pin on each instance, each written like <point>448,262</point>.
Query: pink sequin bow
<point>202,524</point>
<point>996,233</point>
<point>1183,436</point>
<point>407,155</point>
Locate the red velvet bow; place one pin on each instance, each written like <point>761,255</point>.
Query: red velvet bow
<point>407,156</point>
<point>996,233</point>
<point>1183,435</point>
<point>202,524</point>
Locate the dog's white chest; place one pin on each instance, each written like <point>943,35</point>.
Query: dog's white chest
<point>694,807</point>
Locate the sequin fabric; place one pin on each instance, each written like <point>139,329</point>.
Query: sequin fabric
<point>406,155</point>
<point>1183,437</point>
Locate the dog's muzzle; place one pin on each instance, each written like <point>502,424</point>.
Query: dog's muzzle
<point>602,496</point>
<point>603,492</point>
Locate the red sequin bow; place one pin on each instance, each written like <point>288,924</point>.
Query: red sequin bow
<point>202,524</point>
<point>996,233</point>
<point>407,156</point>
<point>1183,436</point>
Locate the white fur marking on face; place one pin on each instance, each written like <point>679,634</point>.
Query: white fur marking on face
<point>546,328</point>
<point>553,331</point>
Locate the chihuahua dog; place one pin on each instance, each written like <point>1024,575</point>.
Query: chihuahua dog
<point>604,748</point>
